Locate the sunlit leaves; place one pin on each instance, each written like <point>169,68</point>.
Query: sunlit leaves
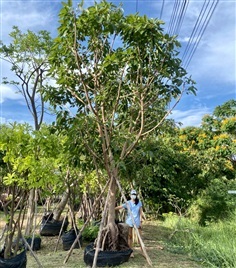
<point>32,157</point>
<point>105,60</point>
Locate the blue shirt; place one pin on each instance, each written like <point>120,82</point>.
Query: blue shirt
<point>135,209</point>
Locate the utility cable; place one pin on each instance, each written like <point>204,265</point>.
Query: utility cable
<point>202,31</point>
<point>176,15</point>
<point>181,17</point>
<point>172,17</point>
<point>192,37</point>
<point>162,8</point>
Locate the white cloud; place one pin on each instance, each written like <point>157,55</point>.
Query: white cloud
<point>9,93</point>
<point>215,56</point>
<point>31,15</point>
<point>3,120</point>
<point>191,117</point>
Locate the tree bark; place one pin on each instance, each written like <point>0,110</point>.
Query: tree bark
<point>59,209</point>
<point>30,212</point>
<point>112,198</point>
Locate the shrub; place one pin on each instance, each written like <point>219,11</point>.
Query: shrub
<point>90,233</point>
<point>213,244</point>
<point>212,204</point>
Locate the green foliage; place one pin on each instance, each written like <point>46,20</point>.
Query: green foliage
<point>31,156</point>
<point>226,110</point>
<point>113,68</point>
<point>222,119</point>
<point>229,125</point>
<point>208,151</point>
<point>90,233</point>
<point>160,169</point>
<point>213,203</point>
<point>213,245</point>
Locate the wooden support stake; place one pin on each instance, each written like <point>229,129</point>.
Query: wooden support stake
<point>85,224</point>
<point>61,230</point>
<point>135,227</point>
<point>100,230</point>
<point>30,249</point>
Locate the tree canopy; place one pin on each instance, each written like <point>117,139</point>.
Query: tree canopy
<point>28,56</point>
<point>117,74</point>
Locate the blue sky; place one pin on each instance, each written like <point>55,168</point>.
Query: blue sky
<point>213,65</point>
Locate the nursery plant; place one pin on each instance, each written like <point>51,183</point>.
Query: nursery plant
<point>117,73</point>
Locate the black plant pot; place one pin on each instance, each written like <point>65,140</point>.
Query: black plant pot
<point>36,243</point>
<point>68,239</point>
<point>19,261</point>
<point>106,258</point>
<point>52,227</point>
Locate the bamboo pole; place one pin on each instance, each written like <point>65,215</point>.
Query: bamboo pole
<point>61,230</point>
<point>100,231</point>
<point>135,227</point>
<point>31,251</point>
<point>87,221</point>
<point>74,224</point>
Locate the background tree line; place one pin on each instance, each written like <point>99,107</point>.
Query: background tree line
<point>194,164</point>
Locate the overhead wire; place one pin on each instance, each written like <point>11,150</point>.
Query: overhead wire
<point>204,28</point>
<point>162,8</point>
<point>181,16</point>
<point>173,17</point>
<point>195,29</point>
<point>177,16</point>
<point>176,21</point>
<point>201,32</point>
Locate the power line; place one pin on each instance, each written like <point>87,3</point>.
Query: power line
<point>181,16</point>
<point>173,17</point>
<point>162,8</point>
<point>177,16</point>
<point>198,21</point>
<point>176,21</point>
<point>202,31</point>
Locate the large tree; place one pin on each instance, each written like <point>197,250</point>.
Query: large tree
<point>118,75</point>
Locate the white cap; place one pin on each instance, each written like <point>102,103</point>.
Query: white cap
<point>133,192</point>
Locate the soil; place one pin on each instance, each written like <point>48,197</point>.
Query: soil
<point>154,237</point>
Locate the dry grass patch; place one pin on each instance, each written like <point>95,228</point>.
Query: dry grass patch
<point>154,237</point>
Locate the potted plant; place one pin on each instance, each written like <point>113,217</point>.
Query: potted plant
<point>11,254</point>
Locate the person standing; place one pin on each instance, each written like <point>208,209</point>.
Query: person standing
<point>135,206</point>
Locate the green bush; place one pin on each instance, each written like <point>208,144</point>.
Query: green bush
<point>213,204</point>
<point>90,233</point>
<point>213,244</point>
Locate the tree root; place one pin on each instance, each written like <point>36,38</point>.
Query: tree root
<point>114,238</point>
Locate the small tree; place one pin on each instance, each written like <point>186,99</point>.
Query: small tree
<point>28,56</point>
<point>118,74</point>
<point>18,144</point>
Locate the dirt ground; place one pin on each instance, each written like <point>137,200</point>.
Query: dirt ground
<point>154,237</point>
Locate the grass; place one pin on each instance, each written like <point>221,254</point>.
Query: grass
<point>190,246</point>
<point>214,244</point>
<point>155,237</point>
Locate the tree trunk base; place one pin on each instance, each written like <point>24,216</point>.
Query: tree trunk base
<point>114,237</point>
